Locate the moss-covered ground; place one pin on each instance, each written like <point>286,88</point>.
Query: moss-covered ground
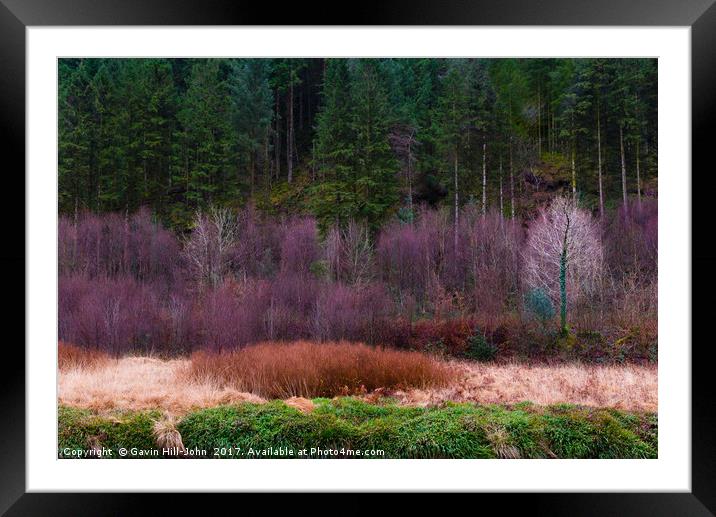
<point>347,427</point>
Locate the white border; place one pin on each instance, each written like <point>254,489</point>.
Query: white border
<point>670,472</point>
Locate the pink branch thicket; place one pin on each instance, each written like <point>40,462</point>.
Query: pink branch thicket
<point>209,248</point>
<point>545,244</point>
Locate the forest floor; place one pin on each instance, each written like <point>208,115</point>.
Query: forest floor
<point>143,383</point>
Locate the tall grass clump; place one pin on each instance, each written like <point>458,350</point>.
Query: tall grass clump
<point>74,357</point>
<point>304,369</point>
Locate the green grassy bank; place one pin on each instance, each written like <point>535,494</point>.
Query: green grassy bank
<point>351,428</point>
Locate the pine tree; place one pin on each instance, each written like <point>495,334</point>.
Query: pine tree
<point>452,121</point>
<point>251,115</point>
<point>287,76</point>
<point>332,198</point>
<point>207,136</point>
<point>76,141</point>
<point>375,167</point>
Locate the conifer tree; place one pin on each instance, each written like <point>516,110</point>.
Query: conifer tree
<point>251,115</point>
<point>452,121</point>
<point>331,197</point>
<point>374,167</point>
<point>207,135</point>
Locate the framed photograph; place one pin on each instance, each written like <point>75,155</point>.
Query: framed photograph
<point>432,243</point>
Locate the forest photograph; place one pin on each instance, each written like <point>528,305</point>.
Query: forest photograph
<point>369,258</point>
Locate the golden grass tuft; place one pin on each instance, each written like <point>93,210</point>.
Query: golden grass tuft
<point>304,405</point>
<point>308,369</point>
<point>499,437</point>
<point>136,383</point>
<point>166,434</point>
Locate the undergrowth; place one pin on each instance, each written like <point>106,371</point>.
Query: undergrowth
<point>450,431</point>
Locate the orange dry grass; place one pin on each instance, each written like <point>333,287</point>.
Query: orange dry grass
<point>145,383</point>
<point>142,383</point>
<point>71,356</point>
<point>629,387</point>
<point>306,369</point>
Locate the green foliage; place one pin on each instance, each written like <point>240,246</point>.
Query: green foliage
<point>82,429</point>
<point>207,134</point>
<point>479,349</point>
<point>405,215</point>
<point>356,163</point>
<point>452,119</point>
<point>453,431</point>
<point>251,113</point>
<point>179,134</point>
<point>319,269</point>
<point>539,305</point>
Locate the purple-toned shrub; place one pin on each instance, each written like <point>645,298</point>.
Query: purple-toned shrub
<point>209,249</point>
<point>258,246</point>
<point>489,260</point>
<point>127,285</point>
<point>117,315</point>
<point>114,244</point>
<point>352,313</point>
<point>422,259</point>
<point>292,305</point>
<point>218,319</point>
<point>299,246</point>
<point>408,255</point>
<point>349,253</point>
<point>631,239</point>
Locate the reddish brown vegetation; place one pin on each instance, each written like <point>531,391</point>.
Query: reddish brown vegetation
<point>304,369</point>
<point>139,383</point>
<point>71,356</point>
<point>630,339</point>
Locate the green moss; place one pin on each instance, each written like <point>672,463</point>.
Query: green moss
<point>80,429</point>
<point>453,430</point>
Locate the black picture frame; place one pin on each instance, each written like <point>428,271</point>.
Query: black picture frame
<point>16,15</point>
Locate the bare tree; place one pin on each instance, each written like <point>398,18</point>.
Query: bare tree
<point>350,253</point>
<point>208,248</point>
<point>563,255</point>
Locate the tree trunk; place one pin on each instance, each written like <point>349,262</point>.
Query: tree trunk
<point>456,202</point>
<point>313,162</point>
<point>539,124</point>
<point>599,164</point>
<point>267,162</point>
<point>563,291</point>
<point>410,176</point>
<point>186,179</point>
<point>574,169</point>
<point>512,184</point>
<point>621,148</point>
<point>502,212</point>
<point>484,177</point>
<point>252,160</point>
<point>574,176</point>
<point>564,330</point>
<point>638,177</point>
<point>289,136</point>
<point>300,109</point>
<point>277,139</point>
